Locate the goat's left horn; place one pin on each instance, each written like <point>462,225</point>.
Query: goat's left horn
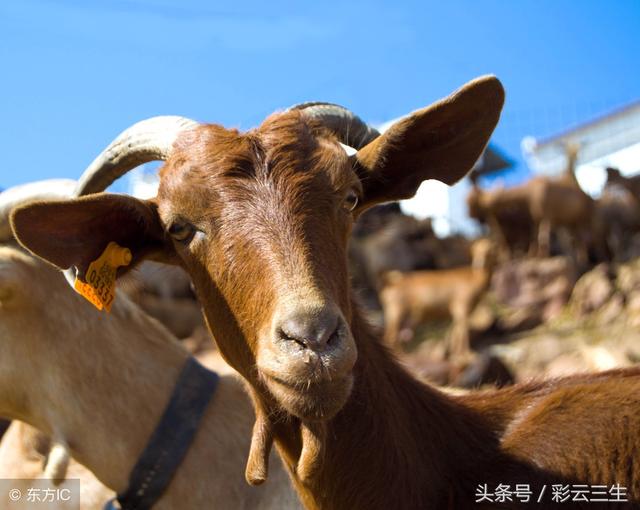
<point>145,141</point>
<point>350,129</point>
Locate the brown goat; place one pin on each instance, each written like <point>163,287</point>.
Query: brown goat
<point>506,212</point>
<point>409,299</point>
<point>261,221</point>
<point>618,213</point>
<point>632,184</point>
<point>548,203</point>
<point>560,202</point>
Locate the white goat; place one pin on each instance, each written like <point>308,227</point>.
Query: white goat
<point>87,380</point>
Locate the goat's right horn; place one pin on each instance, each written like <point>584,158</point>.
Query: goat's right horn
<point>350,129</point>
<point>145,141</point>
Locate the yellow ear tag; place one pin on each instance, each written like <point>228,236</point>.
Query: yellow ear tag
<point>100,287</point>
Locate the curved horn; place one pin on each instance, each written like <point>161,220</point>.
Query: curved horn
<point>350,129</point>
<point>24,193</point>
<point>145,141</point>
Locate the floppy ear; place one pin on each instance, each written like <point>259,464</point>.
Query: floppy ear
<point>442,141</point>
<point>76,232</point>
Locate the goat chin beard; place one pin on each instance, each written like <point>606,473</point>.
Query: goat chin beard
<point>313,438</point>
<point>313,424</point>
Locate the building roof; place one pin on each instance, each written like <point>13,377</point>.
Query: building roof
<point>632,110</point>
<point>597,139</point>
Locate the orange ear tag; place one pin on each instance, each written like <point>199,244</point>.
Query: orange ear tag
<point>100,287</point>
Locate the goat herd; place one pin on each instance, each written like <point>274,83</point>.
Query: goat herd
<point>260,227</point>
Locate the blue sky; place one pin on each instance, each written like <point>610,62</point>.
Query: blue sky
<point>76,72</point>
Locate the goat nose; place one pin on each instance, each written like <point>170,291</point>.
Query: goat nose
<point>313,330</point>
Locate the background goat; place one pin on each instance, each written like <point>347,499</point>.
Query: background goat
<point>537,208</point>
<point>412,298</point>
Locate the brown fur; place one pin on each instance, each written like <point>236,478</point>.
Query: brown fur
<point>270,238</point>
<point>400,431</point>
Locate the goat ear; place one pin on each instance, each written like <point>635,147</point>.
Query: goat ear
<point>442,141</point>
<point>76,232</point>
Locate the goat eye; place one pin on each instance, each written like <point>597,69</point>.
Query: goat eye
<point>181,231</point>
<point>351,201</point>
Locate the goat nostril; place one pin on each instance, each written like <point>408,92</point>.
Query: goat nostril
<point>311,330</point>
<point>334,336</point>
<point>283,335</point>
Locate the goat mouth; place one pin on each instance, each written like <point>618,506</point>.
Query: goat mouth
<point>310,399</point>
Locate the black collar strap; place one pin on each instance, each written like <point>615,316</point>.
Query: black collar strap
<point>170,440</point>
